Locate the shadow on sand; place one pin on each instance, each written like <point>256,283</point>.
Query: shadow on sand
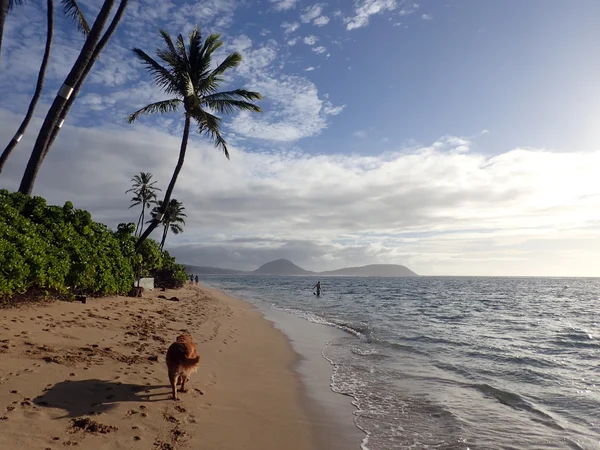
<point>88,397</point>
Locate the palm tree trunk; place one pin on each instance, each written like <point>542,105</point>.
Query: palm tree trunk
<point>3,14</point>
<point>164,237</point>
<point>38,89</point>
<point>101,44</point>
<point>140,221</point>
<point>143,217</point>
<point>156,221</point>
<point>54,113</point>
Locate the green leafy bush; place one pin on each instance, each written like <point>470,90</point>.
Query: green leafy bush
<point>61,250</point>
<point>171,275</point>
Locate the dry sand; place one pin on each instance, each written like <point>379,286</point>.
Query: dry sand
<point>93,376</point>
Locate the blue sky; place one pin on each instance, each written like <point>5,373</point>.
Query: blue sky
<point>456,137</point>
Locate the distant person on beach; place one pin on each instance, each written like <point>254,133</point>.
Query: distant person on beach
<point>196,279</point>
<point>192,278</point>
<point>318,288</point>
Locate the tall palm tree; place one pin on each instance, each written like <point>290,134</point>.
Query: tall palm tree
<point>5,6</point>
<point>101,44</point>
<point>172,218</point>
<point>187,77</point>
<point>79,71</point>
<point>72,10</point>
<point>144,193</point>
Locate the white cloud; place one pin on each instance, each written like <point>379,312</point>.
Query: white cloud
<point>296,111</point>
<point>284,5</point>
<point>292,42</point>
<point>289,27</point>
<point>427,17</point>
<point>321,21</point>
<point>311,13</point>
<point>361,134</point>
<point>292,108</point>
<point>453,143</point>
<point>309,69</point>
<point>310,40</point>
<point>319,50</point>
<point>364,9</point>
<point>434,209</point>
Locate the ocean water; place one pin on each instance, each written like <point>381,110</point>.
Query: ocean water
<point>455,363</point>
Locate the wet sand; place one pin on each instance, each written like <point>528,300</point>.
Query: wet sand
<point>93,376</point>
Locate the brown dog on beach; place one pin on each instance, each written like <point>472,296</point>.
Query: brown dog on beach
<point>182,361</point>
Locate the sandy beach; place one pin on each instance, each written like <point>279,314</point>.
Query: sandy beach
<point>94,376</point>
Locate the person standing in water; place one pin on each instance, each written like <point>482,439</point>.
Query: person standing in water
<point>318,288</point>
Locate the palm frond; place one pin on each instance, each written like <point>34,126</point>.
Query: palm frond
<point>204,60</point>
<point>194,56</point>
<point>162,76</point>
<point>182,52</point>
<point>161,107</point>
<point>236,94</point>
<point>135,201</point>
<point>13,3</point>
<point>231,106</point>
<point>210,126</point>
<point>167,38</point>
<point>73,12</point>
<point>233,60</point>
<point>231,101</point>
<point>212,43</point>
<point>175,228</point>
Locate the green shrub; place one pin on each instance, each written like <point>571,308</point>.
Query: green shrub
<point>61,250</point>
<point>171,275</point>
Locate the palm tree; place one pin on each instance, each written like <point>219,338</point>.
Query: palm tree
<point>188,79</point>
<point>72,10</point>
<point>82,66</point>
<point>172,218</point>
<point>144,193</point>
<point>5,6</point>
<point>101,44</point>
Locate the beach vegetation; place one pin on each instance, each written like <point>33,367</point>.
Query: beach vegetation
<point>60,251</point>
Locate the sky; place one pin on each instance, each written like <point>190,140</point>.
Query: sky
<point>455,137</point>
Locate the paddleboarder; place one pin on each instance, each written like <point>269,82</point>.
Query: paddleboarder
<point>318,288</point>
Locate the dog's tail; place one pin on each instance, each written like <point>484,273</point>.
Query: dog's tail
<point>189,363</point>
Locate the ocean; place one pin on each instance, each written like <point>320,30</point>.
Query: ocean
<point>455,363</point>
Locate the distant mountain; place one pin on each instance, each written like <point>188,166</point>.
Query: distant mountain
<point>281,267</point>
<point>373,270</point>
<point>284,267</point>
<point>205,270</point>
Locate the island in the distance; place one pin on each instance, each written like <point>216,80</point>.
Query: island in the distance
<point>284,267</point>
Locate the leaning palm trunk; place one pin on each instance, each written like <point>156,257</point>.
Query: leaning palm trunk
<point>38,89</point>
<point>101,44</point>
<point>165,203</point>
<point>3,14</point>
<point>52,119</point>
<point>142,217</point>
<point>140,222</point>
<point>164,237</point>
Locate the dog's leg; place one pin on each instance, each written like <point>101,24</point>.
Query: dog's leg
<point>173,379</point>
<point>184,378</point>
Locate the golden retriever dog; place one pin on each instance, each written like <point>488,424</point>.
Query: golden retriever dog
<point>182,361</point>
